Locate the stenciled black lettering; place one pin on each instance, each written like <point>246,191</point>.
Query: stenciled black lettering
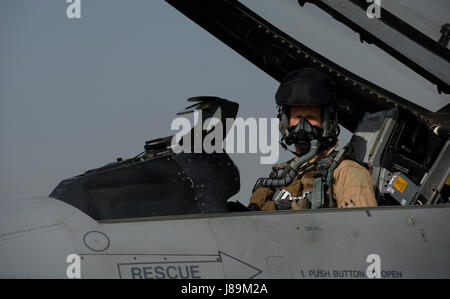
<point>319,273</point>
<point>168,272</point>
<point>148,272</point>
<point>186,274</point>
<point>159,271</point>
<point>194,271</point>
<point>136,273</point>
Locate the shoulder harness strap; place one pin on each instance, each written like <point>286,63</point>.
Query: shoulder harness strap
<point>320,175</point>
<point>324,179</point>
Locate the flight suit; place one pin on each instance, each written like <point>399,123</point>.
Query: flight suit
<point>353,187</point>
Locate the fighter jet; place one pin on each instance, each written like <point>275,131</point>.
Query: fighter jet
<point>166,215</point>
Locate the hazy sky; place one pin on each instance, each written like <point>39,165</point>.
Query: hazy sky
<point>77,94</point>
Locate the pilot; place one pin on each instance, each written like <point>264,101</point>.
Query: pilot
<point>308,120</point>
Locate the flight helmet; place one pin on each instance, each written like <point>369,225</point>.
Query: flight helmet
<point>308,86</point>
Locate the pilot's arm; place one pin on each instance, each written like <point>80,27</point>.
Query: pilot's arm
<point>261,200</point>
<point>353,186</point>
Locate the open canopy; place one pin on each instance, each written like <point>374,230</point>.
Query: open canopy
<point>414,32</point>
<point>278,53</point>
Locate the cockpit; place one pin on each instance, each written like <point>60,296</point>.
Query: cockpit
<point>161,181</point>
<point>405,144</point>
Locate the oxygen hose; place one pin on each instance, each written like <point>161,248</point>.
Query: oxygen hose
<point>293,171</point>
